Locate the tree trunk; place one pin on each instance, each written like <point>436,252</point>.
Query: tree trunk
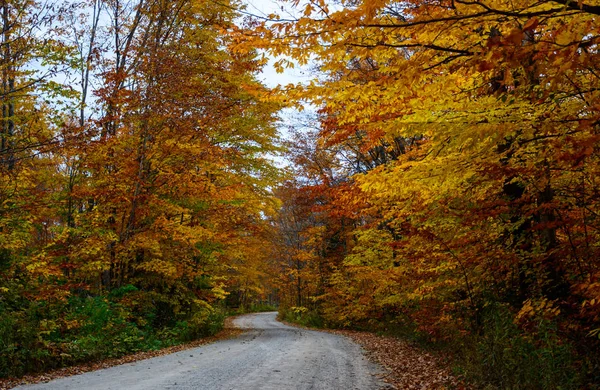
<point>8,88</point>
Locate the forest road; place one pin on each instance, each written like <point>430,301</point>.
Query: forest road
<point>268,356</point>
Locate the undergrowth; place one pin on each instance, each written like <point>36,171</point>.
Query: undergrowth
<point>502,356</point>
<point>302,316</point>
<point>253,308</point>
<point>37,336</point>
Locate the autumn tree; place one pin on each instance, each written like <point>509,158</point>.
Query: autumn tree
<point>146,203</point>
<point>487,202</point>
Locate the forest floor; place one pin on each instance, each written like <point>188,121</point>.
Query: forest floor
<point>407,365</point>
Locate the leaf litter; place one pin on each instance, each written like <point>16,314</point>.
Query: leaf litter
<point>406,365</point>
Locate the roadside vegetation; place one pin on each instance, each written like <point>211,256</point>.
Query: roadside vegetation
<point>133,184</point>
<point>43,335</point>
<point>446,185</point>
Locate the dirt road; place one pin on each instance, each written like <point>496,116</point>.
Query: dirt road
<point>269,356</point>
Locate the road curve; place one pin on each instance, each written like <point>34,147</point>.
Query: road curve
<point>269,356</point>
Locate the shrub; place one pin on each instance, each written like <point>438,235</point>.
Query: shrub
<point>503,356</point>
<point>302,316</point>
<point>43,335</point>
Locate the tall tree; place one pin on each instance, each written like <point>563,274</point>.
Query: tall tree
<point>480,122</point>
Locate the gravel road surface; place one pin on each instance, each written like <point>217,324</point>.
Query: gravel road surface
<point>269,356</point>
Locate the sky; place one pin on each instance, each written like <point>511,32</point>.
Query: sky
<point>269,76</point>
<point>290,117</point>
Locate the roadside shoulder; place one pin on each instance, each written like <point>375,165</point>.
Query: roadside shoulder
<point>406,365</point>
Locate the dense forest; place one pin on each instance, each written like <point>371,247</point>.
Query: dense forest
<point>450,189</point>
<point>446,188</point>
<point>133,177</point>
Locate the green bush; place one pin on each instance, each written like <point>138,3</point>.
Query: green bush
<point>503,356</point>
<point>201,324</point>
<point>38,336</point>
<point>302,316</point>
<point>261,307</point>
<point>21,348</point>
<point>254,308</point>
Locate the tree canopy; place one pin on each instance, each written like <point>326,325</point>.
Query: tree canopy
<point>467,201</point>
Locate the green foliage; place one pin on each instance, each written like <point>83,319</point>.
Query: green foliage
<point>506,357</point>
<point>203,322</point>
<point>122,291</point>
<point>42,335</point>
<point>21,347</point>
<point>260,307</point>
<point>302,316</point>
<point>101,328</point>
<point>254,308</point>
